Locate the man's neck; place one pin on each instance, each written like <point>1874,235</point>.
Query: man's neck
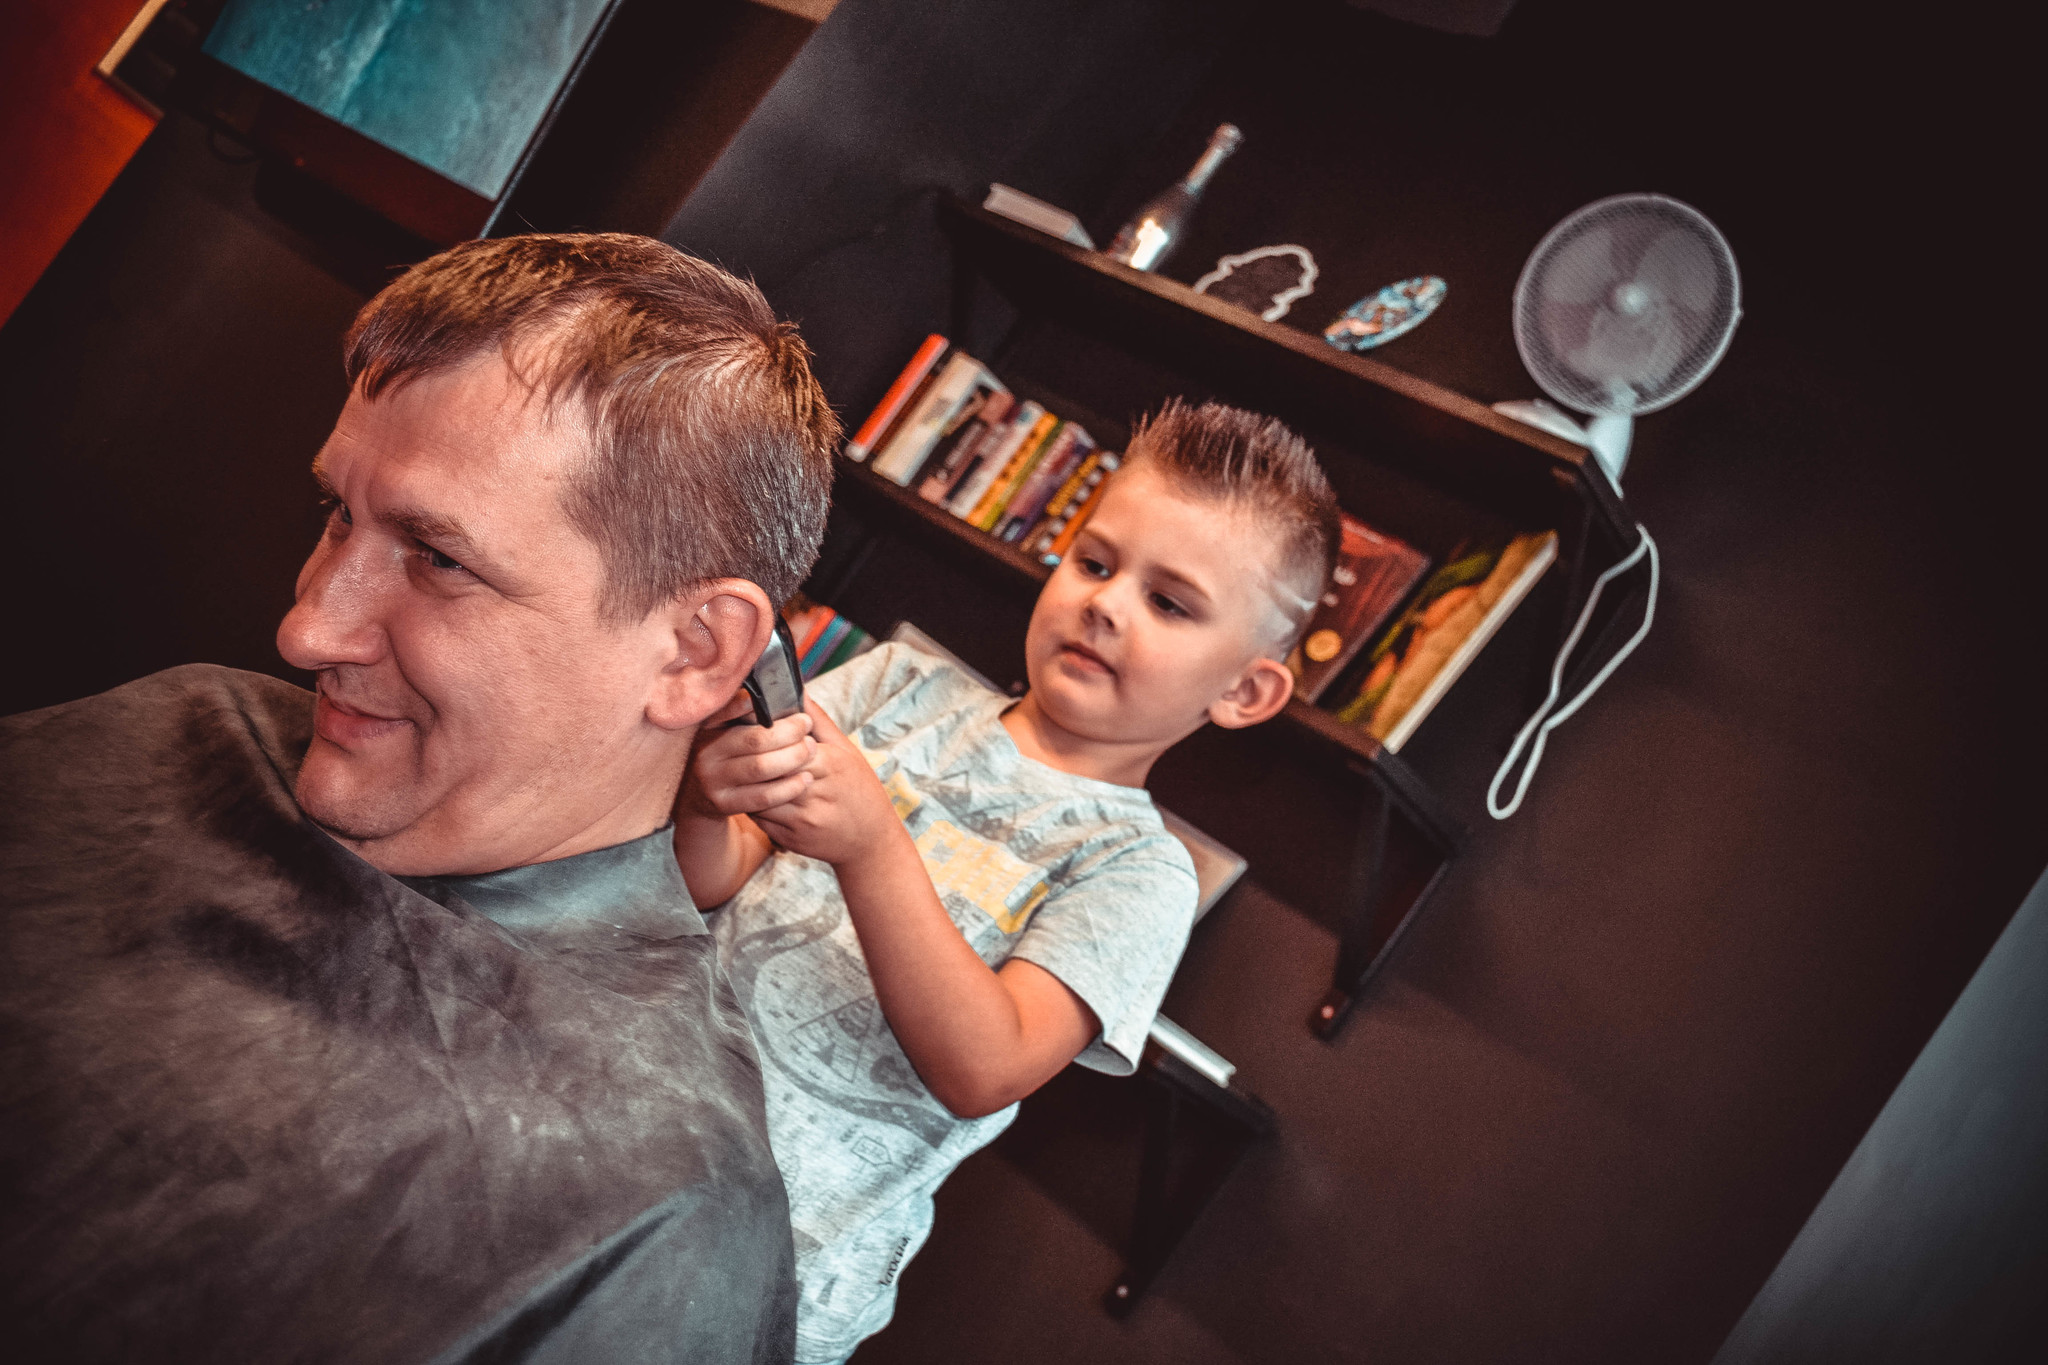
<point>452,844</point>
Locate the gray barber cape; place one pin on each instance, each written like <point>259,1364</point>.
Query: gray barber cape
<point>261,1102</point>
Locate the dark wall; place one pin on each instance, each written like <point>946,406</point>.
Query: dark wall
<point>826,196</point>
<point>166,385</point>
<point>683,78</point>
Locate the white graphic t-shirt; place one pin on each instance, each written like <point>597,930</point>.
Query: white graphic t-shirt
<point>1074,875</point>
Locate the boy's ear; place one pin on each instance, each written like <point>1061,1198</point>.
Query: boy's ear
<point>712,637</point>
<point>1259,695</point>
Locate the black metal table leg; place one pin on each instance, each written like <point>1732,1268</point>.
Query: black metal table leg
<point>1363,891</point>
<point>1393,812</point>
<point>1167,1207</point>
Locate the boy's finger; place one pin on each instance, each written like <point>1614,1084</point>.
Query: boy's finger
<point>775,763</point>
<point>821,724</point>
<point>755,739</point>
<point>751,798</point>
<point>768,795</point>
<point>782,830</point>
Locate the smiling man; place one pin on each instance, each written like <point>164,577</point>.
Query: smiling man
<point>378,1024</point>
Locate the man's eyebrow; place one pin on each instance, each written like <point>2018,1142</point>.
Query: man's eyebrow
<point>443,533</point>
<point>326,485</point>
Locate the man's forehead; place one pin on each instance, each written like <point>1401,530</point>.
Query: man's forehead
<point>476,423</point>
<point>467,461</point>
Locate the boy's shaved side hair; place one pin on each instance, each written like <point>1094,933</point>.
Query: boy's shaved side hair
<point>711,441</point>
<point>1256,462</point>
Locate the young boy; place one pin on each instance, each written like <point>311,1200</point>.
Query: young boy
<point>935,898</point>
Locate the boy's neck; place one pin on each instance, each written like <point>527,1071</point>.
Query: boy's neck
<point>1038,737</point>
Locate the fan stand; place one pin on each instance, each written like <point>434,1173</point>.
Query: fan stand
<point>1608,435</point>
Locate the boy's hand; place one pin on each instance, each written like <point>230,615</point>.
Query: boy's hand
<point>844,812</point>
<point>746,768</point>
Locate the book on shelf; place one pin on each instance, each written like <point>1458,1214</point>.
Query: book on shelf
<point>1028,427</point>
<point>953,432</point>
<point>1024,469</point>
<point>990,455</point>
<point>960,383</point>
<point>897,398</point>
<point>1430,644</point>
<point>968,424</point>
<point>944,478</point>
<point>1373,574</point>
<point>824,638</point>
<point>911,404</point>
<point>1067,449</point>
<point>1063,520</point>
<point>996,497</point>
<point>1033,212</point>
<point>956,453</point>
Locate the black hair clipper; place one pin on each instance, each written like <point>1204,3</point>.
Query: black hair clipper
<point>776,686</point>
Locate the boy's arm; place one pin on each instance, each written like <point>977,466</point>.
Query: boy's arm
<point>733,772</point>
<point>980,1039</point>
<point>717,855</point>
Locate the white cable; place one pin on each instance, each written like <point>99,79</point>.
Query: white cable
<point>1571,708</point>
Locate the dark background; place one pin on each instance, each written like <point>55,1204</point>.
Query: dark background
<point>1645,1022</point>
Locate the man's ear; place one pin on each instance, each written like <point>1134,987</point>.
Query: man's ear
<point>1259,695</point>
<point>719,629</point>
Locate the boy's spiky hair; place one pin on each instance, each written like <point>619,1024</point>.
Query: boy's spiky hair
<point>1256,462</point>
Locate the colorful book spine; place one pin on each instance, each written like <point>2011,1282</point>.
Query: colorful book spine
<point>830,642</point>
<point>948,463</point>
<point>967,493</point>
<point>1053,542</point>
<point>900,459</point>
<point>964,425</point>
<point>1031,497</point>
<point>807,621</point>
<point>876,428</point>
<point>1064,500</point>
<point>1430,644</point>
<point>1373,575</point>
<point>1019,468</point>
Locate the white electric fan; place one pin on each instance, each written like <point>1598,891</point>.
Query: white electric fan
<point>1623,308</point>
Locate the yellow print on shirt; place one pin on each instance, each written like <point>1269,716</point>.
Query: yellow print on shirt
<point>1002,885</point>
<point>900,795</point>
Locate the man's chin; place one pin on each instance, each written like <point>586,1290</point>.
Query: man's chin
<point>352,806</point>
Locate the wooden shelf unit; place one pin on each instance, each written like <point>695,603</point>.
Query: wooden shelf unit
<point>1410,456</point>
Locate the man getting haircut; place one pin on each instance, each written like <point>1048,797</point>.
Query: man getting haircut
<point>376,1023</point>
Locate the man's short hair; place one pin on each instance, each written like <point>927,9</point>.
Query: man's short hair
<point>1257,463</point>
<point>711,441</point>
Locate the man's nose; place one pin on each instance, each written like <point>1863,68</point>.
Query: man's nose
<point>338,617</point>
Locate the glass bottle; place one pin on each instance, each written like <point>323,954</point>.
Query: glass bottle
<point>1156,229</point>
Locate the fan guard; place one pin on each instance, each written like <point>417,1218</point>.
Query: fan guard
<point>1626,305</point>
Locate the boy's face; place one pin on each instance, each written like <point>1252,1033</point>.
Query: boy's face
<point>1163,615</point>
